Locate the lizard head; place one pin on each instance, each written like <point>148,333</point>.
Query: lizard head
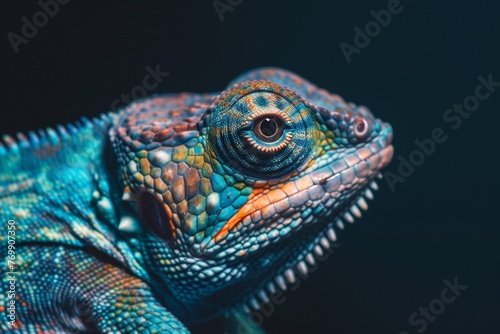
<point>239,196</point>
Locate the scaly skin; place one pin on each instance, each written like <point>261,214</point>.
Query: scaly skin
<point>181,207</point>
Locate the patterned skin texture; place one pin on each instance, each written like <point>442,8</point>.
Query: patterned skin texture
<point>181,207</point>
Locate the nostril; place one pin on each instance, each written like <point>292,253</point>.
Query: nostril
<point>153,215</point>
<point>361,128</point>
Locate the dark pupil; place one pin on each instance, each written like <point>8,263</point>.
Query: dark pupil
<point>268,128</point>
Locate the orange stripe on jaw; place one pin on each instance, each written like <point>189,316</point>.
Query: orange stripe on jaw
<point>244,211</point>
<point>253,204</point>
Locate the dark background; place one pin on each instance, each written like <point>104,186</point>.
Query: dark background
<point>441,223</point>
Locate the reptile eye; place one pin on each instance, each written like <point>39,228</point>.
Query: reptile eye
<point>268,128</point>
<point>361,129</point>
<point>260,129</point>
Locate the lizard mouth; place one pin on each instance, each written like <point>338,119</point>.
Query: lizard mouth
<point>302,254</point>
<point>313,250</point>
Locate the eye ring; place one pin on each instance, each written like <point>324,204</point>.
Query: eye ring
<point>268,128</point>
<point>361,129</point>
<point>228,126</point>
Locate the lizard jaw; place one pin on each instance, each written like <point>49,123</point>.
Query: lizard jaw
<point>307,260</point>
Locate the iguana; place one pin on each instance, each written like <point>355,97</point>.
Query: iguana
<point>180,207</point>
